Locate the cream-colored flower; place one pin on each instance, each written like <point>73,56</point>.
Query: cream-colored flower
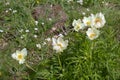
<point>20,55</point>
<point>98,20</point>
<point>87,21</point>
<point>92,33</point>
<point>59,44</point>
<point>78,25</point>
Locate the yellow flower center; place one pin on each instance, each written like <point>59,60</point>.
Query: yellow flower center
<point>77,27</point>
<point>60,45</point>
<point>92,35</point>
<point>20,56</point>
<point>97,20</point>
<point>88,23</point>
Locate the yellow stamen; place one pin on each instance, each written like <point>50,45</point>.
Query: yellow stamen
<point>92,35</point>
<point>88,23</point>
<point>20,56</point>
<point>60,45</point>
<point>97,20</point>
<point>77,27</point>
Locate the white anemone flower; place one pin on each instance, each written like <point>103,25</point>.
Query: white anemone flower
<point>92,33</point>
<point>20,55</point>
<point>98,20</point>
<point>59,44</point>
<point>78,25</point>
<point>87,21</point>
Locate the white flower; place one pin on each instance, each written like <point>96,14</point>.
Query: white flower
<point>80,1</point>
<point>1,31</point>
<point>92,33</point>
<point>6,11</point>
<point>20,55</point>
<point>27,31</point>
<point>48,39</point>
<point>38,46</point>
<point>50,19</point>
<point>88,9</point>
<point>21,30</point>
<point>98,20</point>
<point>14,11</point>
<point>35,36</point>
<point>78,25</point>
<point>69,1</point>
<point>59,44</point>
<point>60,35</point>
<point>83,13</point>
<point>10,9</point>
<point>42,23</point>
<point>87,21</point>
<point>36,29</point>
<point>7,3</point>
<point>36,22</point>
<point>44,43</point>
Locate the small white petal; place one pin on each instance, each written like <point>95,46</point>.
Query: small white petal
<point>14,55</point>
<point>36,29</point>
<point>38,46</point>
<point>42,23</point>
<point>10,9</point>
<point>35,36</point>
<point>24,51</point>
<point>21,61</point>
<point>36,22</point>
<point>14,11</point>
<point>27,31</point>
<point>48,39</point>
<point>1,31</point>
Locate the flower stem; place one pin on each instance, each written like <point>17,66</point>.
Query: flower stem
<point>59,61</point>
<point>30,67</point>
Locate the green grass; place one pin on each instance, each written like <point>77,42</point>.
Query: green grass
<point>82,60</point>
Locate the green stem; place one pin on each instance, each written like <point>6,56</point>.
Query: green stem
<point>30,67</point>
<point>59,61</point>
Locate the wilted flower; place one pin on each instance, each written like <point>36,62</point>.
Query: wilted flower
<point>92,33</point>
<point>20,55</point>
<point>98,20</point>
<point>78,25</point>
<point>87,21</point>
<point>59,44</point>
